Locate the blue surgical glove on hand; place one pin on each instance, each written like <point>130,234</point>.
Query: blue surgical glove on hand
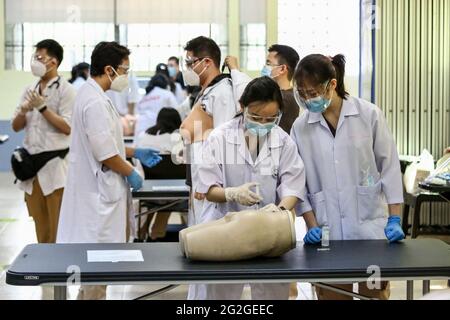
<point>393,230</point>
<point>314,236</point>
<point>148,157</point>
<point>135,181</point>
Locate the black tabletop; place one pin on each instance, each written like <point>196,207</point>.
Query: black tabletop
<point>164,263</point>
<point>155,189</point>
<point>435,188</point>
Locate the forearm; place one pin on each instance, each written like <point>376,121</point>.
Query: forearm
<point>395,209</point>
<point>118,165</point>
<point>130,152</point>
<point>288,203</point>
<point>57,121</point>
<point>19,123</point>
<point>310,220</point>
<point>216,194</point>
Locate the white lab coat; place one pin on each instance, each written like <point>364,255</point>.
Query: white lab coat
<point>227,163</point>
<point>41,136</point>
<point>78,83</point>
<point>219,102</point>
<point>351,177</point>
<point>148,109</point>
<point>96,199</point>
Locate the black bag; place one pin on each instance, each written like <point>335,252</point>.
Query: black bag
<point>26,166</point>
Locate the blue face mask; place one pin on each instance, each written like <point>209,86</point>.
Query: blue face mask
<point>258,129</point>
<point>317,105</point>
<point>266,71</point>
<point>172,72</point>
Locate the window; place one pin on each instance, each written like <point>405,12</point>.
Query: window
<point>80,24</point>
<point>328,27</point>
<point>253,34</point>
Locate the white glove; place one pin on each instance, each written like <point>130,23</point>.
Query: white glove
<point>271,208</point>
<point>36,101</point>
<point>25,108</point>
<point>243,195</point>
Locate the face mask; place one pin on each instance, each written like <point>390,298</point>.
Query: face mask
<point>267,71</point>
<point>38,69</point>
<point>172,72</point>
<point>258,129</point>
<point>120,83</point>
<point>191,78</point>
<point>317,105</point>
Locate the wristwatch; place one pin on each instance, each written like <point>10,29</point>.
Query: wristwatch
<point>42,109</point>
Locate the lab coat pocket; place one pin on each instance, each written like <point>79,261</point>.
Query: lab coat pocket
<point>369,199</point>
<point>319,206</point>
<point>110,186</point>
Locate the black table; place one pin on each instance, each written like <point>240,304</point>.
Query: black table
<point>436,188</point>
<point>346,261</point>
<point>162,196</point>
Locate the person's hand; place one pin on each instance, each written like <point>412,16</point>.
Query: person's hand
<point>135,181</point>
<point>35,100</point>
<point>314,236</point>
<point>243,195</point>
<point>232,63</point>
<point>25,108</point>
<point>393,230</point>
<point>148,157</point>
<point>200,196</point>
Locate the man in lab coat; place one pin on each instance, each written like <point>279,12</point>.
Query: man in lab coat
<point>98,197</point>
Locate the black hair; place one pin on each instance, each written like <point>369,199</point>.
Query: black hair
<point>287,56</point>
<point>262,89</point>
<point>54,49</point>
<point>175,59</point>
<point>168,121</point>
<point>157,81</point>
<point>79,71</point>
<point>107,54</point>
<point>205,47</point>
<point>319,69</point>
<point>163,69</point>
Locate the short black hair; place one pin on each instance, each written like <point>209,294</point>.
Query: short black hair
<point>54,49</point>
<point>288,56</point>
<point>205,47</point>
<point>175,59</point>
<point>168,121</point>
<point>107,54</point>
<point>263,89</point>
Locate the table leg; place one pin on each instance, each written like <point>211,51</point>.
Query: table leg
<point>410,290</point>
<point>416,220</point>
<point>60,293</point>
<point>405,219</point>
<point>426,287</point>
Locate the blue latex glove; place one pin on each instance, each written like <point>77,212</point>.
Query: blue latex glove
<point>148,157</point>
<point>314,236</point>
<point>393,230</point>
<point>135,181</point>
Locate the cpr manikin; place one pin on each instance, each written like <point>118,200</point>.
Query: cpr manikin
<point>269,232</point>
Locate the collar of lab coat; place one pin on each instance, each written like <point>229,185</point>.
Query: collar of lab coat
<point>49,84</point>
<point>235,136</point>
<point>348,109</point>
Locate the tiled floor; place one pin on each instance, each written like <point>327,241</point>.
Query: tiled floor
<point>17,230</point>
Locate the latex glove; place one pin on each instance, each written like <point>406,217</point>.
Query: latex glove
<point>135,181</point>
<point>393,230</point>
<point>271,208</point>
<point>35,100</point>
<point>314,236</point>
<point>148,157</point>
<point>232,63</point>
<point>243,195</point>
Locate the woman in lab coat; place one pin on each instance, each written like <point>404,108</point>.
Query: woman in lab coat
<point>250,162</point>
<point>351,163</point>
<point>97,195</point>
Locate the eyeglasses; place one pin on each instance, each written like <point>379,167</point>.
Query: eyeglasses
<point>253,117</point>
<point>126,69</point>
<point>310,94</point>
<point>189,63</point>
<point>40,58</point>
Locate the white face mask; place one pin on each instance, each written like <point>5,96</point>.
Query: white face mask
<point>191,78</point>
<point>38,68</point>
<point>120,83</point>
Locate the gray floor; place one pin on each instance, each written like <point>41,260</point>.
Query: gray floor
<point>17,230</point>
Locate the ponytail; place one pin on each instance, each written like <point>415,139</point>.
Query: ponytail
<point>338,62</point>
